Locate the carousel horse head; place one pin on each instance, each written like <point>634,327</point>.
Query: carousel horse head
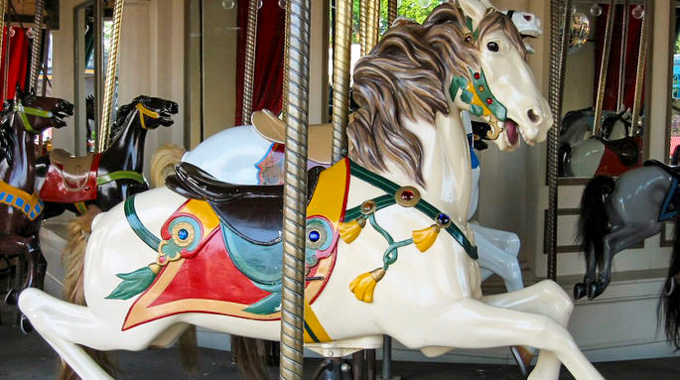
<point>38,113</point>
<point>154,112</point>
<point>468,58</point>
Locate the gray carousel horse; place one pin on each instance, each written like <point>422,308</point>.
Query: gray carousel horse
<point>616,214</point>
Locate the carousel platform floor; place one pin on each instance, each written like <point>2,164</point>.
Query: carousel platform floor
<point>28,357</point>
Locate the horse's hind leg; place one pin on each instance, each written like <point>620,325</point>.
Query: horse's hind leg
<point>65,326</point>
<point>616,242</point>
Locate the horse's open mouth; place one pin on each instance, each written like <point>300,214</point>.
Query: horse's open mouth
<point>58,121</point>
<point>511,131</point>
<point>166,118</point>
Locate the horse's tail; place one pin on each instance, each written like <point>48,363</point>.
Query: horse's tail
<point>251,356</point>
<point>669,304</point>
<point>163,163</point>
<point>593,220</point>
<point>73,258</point>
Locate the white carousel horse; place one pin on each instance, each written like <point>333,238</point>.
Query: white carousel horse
<point>426,290</point>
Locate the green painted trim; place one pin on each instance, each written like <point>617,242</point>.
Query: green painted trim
<point>133,220</point>
<point>496,107</point>
<point>425,207</point>
<point>121,174</point>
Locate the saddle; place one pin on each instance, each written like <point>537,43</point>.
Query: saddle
<point>254,213</point>
<point>70,178</point>
<point>320,136</point>
<point>626,149</point>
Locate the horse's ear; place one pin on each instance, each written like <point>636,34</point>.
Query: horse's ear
<point>474,9</point>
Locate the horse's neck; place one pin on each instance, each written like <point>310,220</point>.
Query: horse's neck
<point>446,165</point>
<point>127,150</point>
<point>22,173</point>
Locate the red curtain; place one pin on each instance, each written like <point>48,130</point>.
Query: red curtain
<point>268,81</point>
<point>18,62</point>
<point>630,60</point>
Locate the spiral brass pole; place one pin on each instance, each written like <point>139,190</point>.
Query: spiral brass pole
<point>249,69</point>
<point>372,23</point>
<point>36,34</point>
<point>559,42</point>
<point>295,190</point>
<point>110,83</point>
<point>391,12</point>
<point>604,68</point>
<point>3,7</point>
<point>363,21</point>
<point>640,75</point>
<point>622,57</point>
<point>341,67</point>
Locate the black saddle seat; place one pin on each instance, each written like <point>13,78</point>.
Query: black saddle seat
<point>674,171</point>
<point>627,149</point>
<point>253,212</point>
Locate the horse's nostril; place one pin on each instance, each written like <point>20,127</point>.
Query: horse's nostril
<point>534,116</point>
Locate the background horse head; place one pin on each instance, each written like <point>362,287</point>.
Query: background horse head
<point>113,175</point>
<point>23,118</point>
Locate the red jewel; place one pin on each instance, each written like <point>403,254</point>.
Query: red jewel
<point>477,75</point>
<point>162,259</point>
<point>407,195</point>
<point>489,100</point>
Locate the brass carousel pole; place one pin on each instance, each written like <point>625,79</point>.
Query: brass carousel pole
<point>639,75</point>
<point>363,21</point>
<point>36,34</point>
<point>372,22</point>
<point>110,84</point>
<point>604,66</point>
<point>391,11</point>
<point>622,57</point>
<point>295,189</point>
<point>341,66</point>
<point>3,8</point>
<point>249,69</point>
<point>559,42</point>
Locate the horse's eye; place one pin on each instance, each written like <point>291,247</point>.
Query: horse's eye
<point>492,46</point>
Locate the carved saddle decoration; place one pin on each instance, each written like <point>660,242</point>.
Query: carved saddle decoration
<point>69,178</point>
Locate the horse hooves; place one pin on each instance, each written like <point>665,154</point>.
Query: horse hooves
<point>12,297</point>
<point>579,291</point>
<point>594,290</point>
<point>25,325</point>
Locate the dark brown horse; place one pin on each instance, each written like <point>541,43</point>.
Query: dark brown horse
<point>20,207</point>
<point>106,179</point>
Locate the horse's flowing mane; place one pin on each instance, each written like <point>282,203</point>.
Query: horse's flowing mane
<point>406,77</point>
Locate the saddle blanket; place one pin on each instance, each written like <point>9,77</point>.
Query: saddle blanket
<point>71,179</point>
<point>216,271</point>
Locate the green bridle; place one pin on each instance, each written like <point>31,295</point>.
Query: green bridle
<point>24,111</point>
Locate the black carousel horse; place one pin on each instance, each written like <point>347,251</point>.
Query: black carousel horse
<point>105,179</point>
<point>21,209</point>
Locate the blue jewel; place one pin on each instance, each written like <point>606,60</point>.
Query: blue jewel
<point>314,236</point>
<point>183,234</point>
<point>443,219</point>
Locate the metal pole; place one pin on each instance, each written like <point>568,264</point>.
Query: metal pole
<point>559,42</point>
<point>249,69</point>
<point>372,21</point>
<point>98,64</point>
<point>363,20</point>
<point>622,57</point>
<point>36,33</point>
<point>341,74</point>
<point>640,75</point>
<point>604,68</point>
<point>110,85</point>
<point>3,7</point>
<point>391,12</point>
<point>295,189</point>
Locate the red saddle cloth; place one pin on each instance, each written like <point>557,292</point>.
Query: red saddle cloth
<point>204,278</point>
<point>70,179</point>
<point>618,160</point>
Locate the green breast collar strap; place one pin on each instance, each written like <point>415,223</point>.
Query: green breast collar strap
<point>388,199</point>
<point>120,174</point>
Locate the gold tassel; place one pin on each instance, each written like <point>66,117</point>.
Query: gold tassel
<point>423,239</point>
<point>350,231</point>
<point>364,285</point>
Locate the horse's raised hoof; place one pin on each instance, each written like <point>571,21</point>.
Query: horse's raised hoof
<point>12,297</point>
<point>594,290</point>
<point>579,291</point>
<point>25,325</point>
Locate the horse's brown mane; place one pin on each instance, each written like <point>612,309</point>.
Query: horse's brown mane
<point>406,77</point>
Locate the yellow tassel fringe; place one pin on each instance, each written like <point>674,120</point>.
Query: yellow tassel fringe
<point>423,239</point>
<point>351,230</point>
<point>364,285</point>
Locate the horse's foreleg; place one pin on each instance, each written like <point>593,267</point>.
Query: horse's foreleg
<point>29,248</point>
<point>493,257</point>
<point>616,242</point>
<point>470,323</point>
